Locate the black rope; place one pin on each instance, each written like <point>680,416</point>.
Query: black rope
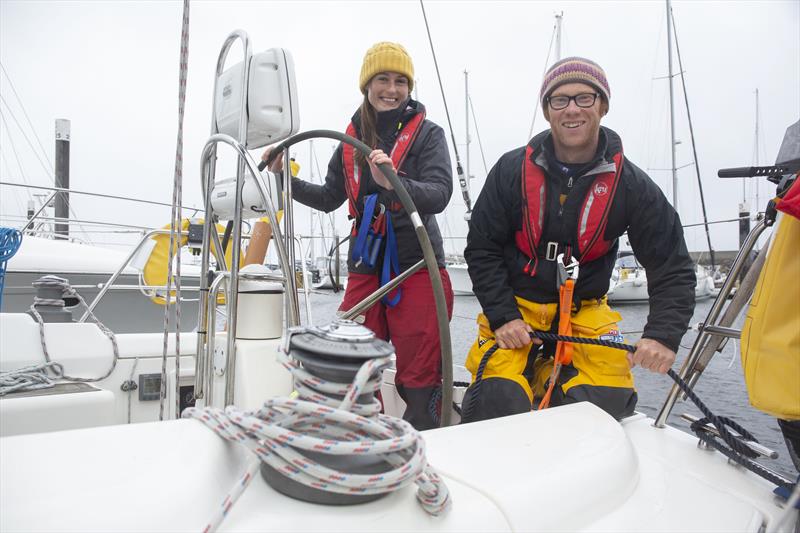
<point>476,385</point>
<point>735,450</point>
<point>436,398</point>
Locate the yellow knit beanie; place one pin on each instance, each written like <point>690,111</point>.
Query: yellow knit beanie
<point>386,57</point>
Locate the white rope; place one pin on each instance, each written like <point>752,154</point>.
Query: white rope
<point>175,229</point>
<point>30,378</point>
<point>283,428</point>
<point>36,376</point>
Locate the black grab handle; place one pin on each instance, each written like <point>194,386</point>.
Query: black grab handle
<point>772,173</point>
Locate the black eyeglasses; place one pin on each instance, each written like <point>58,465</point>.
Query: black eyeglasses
<point>581,100</point>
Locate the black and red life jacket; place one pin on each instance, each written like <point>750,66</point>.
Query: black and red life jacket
<point>352,173</point>
<point>592,216</point>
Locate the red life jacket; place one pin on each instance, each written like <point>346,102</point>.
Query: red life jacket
<point>592,219</point>
<point>352,173</point>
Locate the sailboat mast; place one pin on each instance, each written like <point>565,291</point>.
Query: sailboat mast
<point>313,248</point>
<point>466,114</point>
<point>757,163</point>
<point>671,107</point>
<point>694,148</point>
<point>559,16</point>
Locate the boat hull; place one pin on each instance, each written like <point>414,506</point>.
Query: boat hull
<point>123,309</point>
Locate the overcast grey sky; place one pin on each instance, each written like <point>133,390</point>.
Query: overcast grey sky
<point>112,68</point>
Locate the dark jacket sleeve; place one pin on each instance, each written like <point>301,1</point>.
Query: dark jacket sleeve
<point>329,195</point>
<point>656,237</point>
<point>491,230</point>
<point>432,185</point>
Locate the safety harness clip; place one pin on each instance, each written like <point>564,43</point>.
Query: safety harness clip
<point>566,271</point>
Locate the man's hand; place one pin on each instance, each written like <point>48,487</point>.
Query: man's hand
<point>277,164</point>
<point>514,334</point>
<point>378,157</point>
<point>652,355</point>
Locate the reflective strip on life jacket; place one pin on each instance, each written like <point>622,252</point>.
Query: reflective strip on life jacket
<point>352,182</point>
<point>592,219</point>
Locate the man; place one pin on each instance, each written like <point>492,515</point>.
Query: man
<point>570,191</point>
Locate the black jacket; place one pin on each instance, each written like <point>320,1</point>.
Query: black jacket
<point>639,207</point>
<point>426,174</point>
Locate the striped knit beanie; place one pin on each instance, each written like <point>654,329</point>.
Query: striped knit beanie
<point>574,70</point>
<point>386,57</point>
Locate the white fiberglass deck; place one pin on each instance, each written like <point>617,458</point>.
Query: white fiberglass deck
<point>569,468</point>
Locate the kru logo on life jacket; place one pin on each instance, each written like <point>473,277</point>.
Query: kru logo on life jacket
<point>592,217</point>
<point>352,181</point>
<point>600,189</point>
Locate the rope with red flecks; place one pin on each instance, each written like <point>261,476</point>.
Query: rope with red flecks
<point>283,428</point>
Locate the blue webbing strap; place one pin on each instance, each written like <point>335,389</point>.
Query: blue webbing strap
<point>391,263</point>
<point>10,241</point>
<point>361,248</point>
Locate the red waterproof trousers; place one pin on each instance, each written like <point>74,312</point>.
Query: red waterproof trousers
<point>410,325</point>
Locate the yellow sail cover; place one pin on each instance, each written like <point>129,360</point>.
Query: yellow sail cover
<point>771,332</point>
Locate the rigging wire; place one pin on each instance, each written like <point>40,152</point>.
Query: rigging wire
<point>649,117</point>
<point>13,148</point>
<point>691,134</point>
<point>329,215</point>
<point>24,112</point>
<point>20,208</point>
<point>546,64</point>
<point>478,133</point>
<point>462,180</point>
<point>48,170</point>
<point>320,214</point>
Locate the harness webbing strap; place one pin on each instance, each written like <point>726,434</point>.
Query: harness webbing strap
<point>391,263</point>
<point>368,242</point>
<point>361,248</point>
<point>563,348</point>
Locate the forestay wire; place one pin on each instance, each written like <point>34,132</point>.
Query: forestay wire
<point>462,180</point>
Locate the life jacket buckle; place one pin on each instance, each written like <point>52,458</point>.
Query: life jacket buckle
<point>552,251</point>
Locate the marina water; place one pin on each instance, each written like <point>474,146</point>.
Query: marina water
<point>721,387</point>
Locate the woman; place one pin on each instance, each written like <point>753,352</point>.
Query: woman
<point>389,121</point>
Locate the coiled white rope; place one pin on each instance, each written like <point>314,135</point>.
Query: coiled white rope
<point>279,432</point>
<point>36,377</point>
<point>30,378</point>
<point>68,291</point>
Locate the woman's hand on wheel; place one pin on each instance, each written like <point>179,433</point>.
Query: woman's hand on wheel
<point>378,157</point>
<point>277,164</point>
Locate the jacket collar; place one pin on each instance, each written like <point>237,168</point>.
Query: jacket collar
<point>609,144</point>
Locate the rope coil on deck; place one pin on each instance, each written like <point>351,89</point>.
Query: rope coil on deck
<point>68,292</point>
<point>36,376</point>
<point>283,428</point>
<point>30,378</point>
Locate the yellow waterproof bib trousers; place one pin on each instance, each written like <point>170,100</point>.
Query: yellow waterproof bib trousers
<point>513,380</point>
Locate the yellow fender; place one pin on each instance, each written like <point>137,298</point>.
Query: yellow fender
<point>155,271</point>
